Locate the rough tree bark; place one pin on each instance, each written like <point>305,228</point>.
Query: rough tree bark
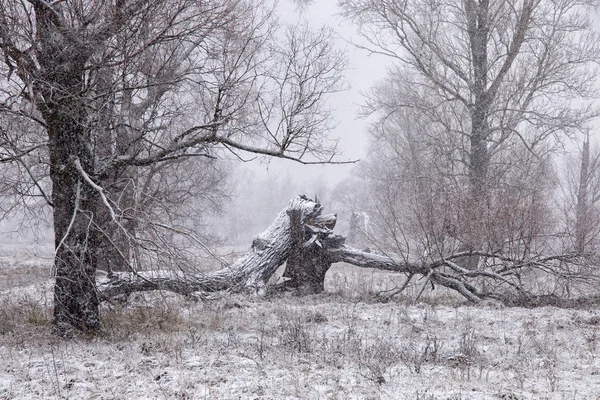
<point>308,261</point>
<point>62,63</point>
<point>250,273</point>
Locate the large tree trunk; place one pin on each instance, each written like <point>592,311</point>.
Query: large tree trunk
<point>75,239</point>
<point>303,238</point>
<point>62,62</point>
<point>478,30</point>
<point>250,273</point>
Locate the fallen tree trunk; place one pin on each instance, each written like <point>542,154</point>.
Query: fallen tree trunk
<point>251,273</point>
<point>391,262</point>
<point>303,238</point>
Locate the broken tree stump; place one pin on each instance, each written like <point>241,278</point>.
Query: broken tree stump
<point>303,238</point>
<point>300,236</point>
<point>308,261</point>
<point>250,273</point>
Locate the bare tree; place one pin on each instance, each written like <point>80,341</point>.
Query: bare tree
<point>485,80</point>
<point>120,86</point>
<point>581,198</point>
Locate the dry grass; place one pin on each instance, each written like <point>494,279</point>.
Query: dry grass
<point>343,344</point>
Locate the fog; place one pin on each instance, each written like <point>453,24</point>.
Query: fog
<point>261,186</point>
<point>267,184</point>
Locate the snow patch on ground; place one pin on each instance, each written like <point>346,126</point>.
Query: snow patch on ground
<point>338,345</point>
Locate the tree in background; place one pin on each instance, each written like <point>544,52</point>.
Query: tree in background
<point>480,95</point>
<point>418,201</point>
<point>24,184</point>
<point>581,198</point>
<point>121,91</point>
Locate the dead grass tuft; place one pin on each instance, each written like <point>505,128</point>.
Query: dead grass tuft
<point>16,314</point>
<point>120,323</point>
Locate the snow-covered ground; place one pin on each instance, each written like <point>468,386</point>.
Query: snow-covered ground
<point>339,345</point>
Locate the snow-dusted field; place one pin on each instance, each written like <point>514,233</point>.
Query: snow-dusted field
<point>339,345</point>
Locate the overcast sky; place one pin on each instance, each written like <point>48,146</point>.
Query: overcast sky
<point>363,71</point>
